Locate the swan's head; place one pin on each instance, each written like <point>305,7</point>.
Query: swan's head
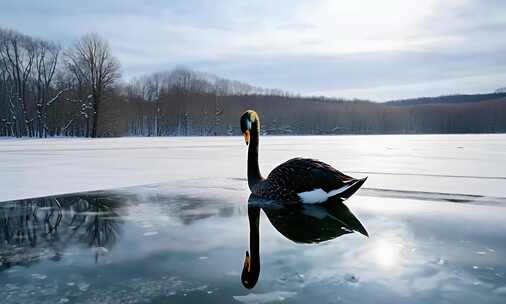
<point>249,120</point>
<point>250,272</point>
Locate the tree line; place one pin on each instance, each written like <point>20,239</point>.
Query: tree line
<point>459,98</point>
<point>47,90</point>
<point>44,89</point>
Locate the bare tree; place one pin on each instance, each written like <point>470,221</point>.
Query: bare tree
<point>18,52</point>
<point>91,61</point>
<point>46,61</point>
<point>152,90</point>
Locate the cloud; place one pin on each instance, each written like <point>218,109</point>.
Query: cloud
<point>304,46</point>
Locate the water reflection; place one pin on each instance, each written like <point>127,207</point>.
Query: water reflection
<point>185,243</point>
<point>32,230</point>
<point>45,227</point>
<point>307,224</point>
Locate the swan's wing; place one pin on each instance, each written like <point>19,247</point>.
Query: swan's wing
<point>312,180</point>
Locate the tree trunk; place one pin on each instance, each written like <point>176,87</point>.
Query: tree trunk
<point>96,103</point>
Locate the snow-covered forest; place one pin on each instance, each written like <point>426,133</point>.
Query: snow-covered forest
<point>49,90</point>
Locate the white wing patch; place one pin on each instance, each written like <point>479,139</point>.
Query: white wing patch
<point>314,196</point>
<point>319,195</point>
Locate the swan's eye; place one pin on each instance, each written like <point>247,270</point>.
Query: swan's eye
<point>246,122</point>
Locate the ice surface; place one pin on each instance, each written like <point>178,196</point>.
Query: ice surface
<point>462,164</point>
<point>269,297</point>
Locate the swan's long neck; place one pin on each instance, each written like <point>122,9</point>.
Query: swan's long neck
<point>254,176</point>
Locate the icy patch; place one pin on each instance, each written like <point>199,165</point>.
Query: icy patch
<point>286,278</point>
<point>100,250</point>
<point>39,276</point>
<point>436,196</point>
<point>83,286</point>
<point>351,278</point>
<point>269,297</point>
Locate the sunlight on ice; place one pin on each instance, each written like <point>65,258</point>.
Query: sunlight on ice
<point>387,254</point>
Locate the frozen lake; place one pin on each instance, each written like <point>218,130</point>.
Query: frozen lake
<point>466,164</point>
<point>434,207</point>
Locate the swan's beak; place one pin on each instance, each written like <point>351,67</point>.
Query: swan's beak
<point>247,262</point>
<point>246,137</point>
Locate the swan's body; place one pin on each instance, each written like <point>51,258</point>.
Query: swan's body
<point>301,180</point>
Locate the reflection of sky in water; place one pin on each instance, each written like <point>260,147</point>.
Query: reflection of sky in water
<point>388,254</point>
<point>187,244</point>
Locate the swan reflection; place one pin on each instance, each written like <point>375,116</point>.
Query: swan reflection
<point>308,224</point>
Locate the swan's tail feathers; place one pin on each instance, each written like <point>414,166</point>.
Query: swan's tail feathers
<point>356,184</point>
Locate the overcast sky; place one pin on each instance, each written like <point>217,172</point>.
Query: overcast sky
<point>378,50</point>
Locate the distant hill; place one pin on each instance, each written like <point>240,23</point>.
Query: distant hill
<point>449,99</point>
<point>500,90</point>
